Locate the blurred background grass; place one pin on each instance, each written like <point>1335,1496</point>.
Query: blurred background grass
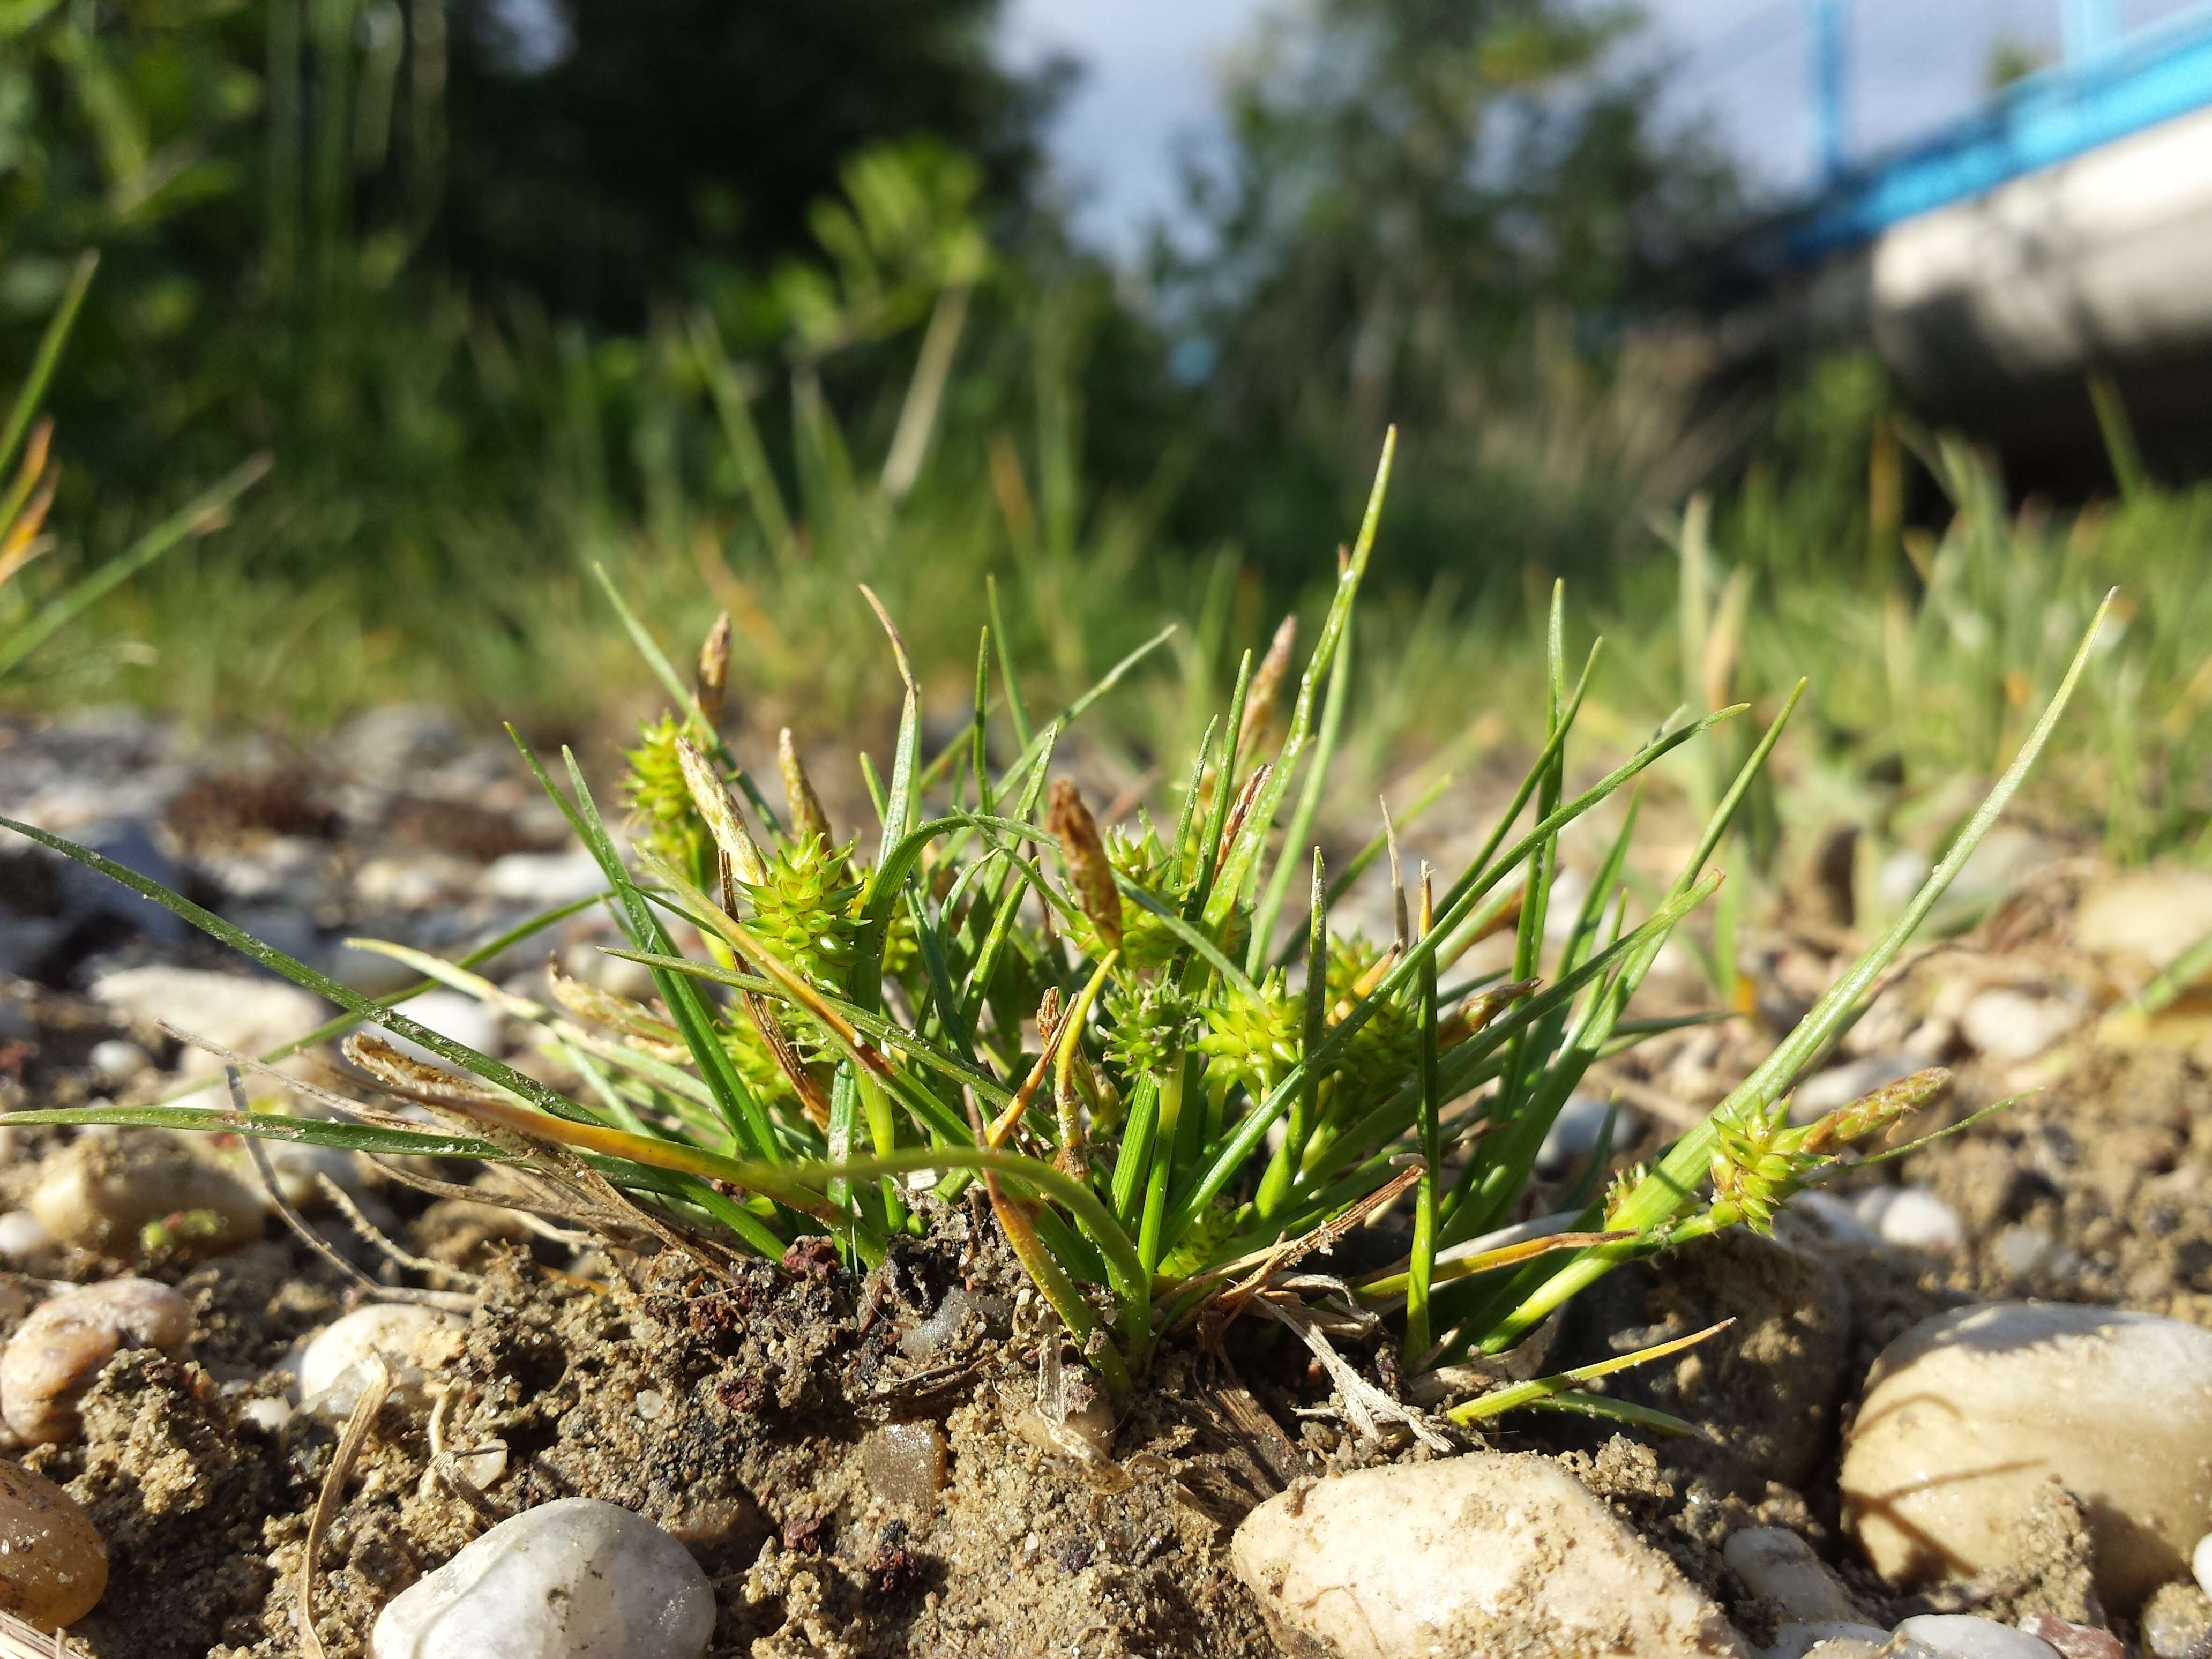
<point>750,304</point>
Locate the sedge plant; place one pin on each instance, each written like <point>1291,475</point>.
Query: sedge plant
<point>1166,1081</point>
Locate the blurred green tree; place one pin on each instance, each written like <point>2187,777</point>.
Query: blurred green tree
<point>606,150</point>
<point>354,230</point>
<point>1428,212</point>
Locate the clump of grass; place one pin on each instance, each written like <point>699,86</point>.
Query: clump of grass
<point>1168,1096</point>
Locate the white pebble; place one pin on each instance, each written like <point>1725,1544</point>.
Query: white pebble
<point>542,880</point>
<point>482,1466</point>
<point>1962,1636</point>
<point>454,1016</point>
<point>570,1577</point>
<point>266,1413</point>
<point>390,1330</point>
<point>414,882</point>
<point>296,1165</point>
<point>1911,1218</point>
<point>117,1060</point>
<point>2199,1562</point>
<point>1969,1416</point>
<point>1899,878</point>
<point>650,1403</point>
<point>229,1010</point>
<point>1484,1553</point>
<point>2024,1251</point>
<point>23,1235</point>
<point>2010,1024</point>
<point>1776,1563</point>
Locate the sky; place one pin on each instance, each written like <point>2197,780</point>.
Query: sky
<point>1153,67</point>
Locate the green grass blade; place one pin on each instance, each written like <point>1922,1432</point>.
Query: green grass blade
<point>373,1138</point>
<point>375,1013</point>
<point>344,1023</point>
<point>1017,710</point>
<point>1303,816</point>
<point>33,392</point>
<point>1675,1182</point>
<point>205,515</point>
<point>1422,1268</point>
<point>741,1112</point>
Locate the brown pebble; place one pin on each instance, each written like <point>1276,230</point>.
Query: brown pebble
<point>2075,1641</point>
<point>905,1463</point>
<point>60,1348</point>
<point>53,1565</point>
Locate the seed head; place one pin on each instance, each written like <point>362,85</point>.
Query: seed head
<point>807,816</point>
<point>1084,854</point>
<point>714,671</point>
<point>1267,685</point>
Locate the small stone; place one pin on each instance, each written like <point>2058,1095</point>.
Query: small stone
<point>1993,871</point>
<point>570,1577</point>
<point>2152,914</point>
<point>905,1464</point>
<point>266,1412</point>
<point>1484,1552</point>
<point>1969,1415</point>
<point>1814,1218</point>
<point>22,1236</point>
<point>457,1018</point>
<point>53,1563</point>
<point>414,882</point>
<point>372,973</point>
<point>1572,1136</point>
<point>1911,1218</point>
<point>1079,1428</point>
<point>117,1060</point>
<point>61,1347</point>
<point>86,896</point>
<point>297,1167</point>
<point>542,880</point>
<point>1898,879</point>
<point>2006,1023</point>
<point>100,1192</point>
<point>2199,1562</point>
<point>482,1467</point>
<point>2026,1252</point>
<point>2072,1640</point>
<point>1832,1639</point>
<point>650,1403</point>
<point>1777,1564</point>
<point>923,1342</point>
<point>389,745</point>
<point>2177,1622</point>
<point>1962,1636</point>
<point>229,1010</point>
<point>327,1363</point>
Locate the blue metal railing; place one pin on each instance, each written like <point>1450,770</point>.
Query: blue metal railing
<point>2108,85</point>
